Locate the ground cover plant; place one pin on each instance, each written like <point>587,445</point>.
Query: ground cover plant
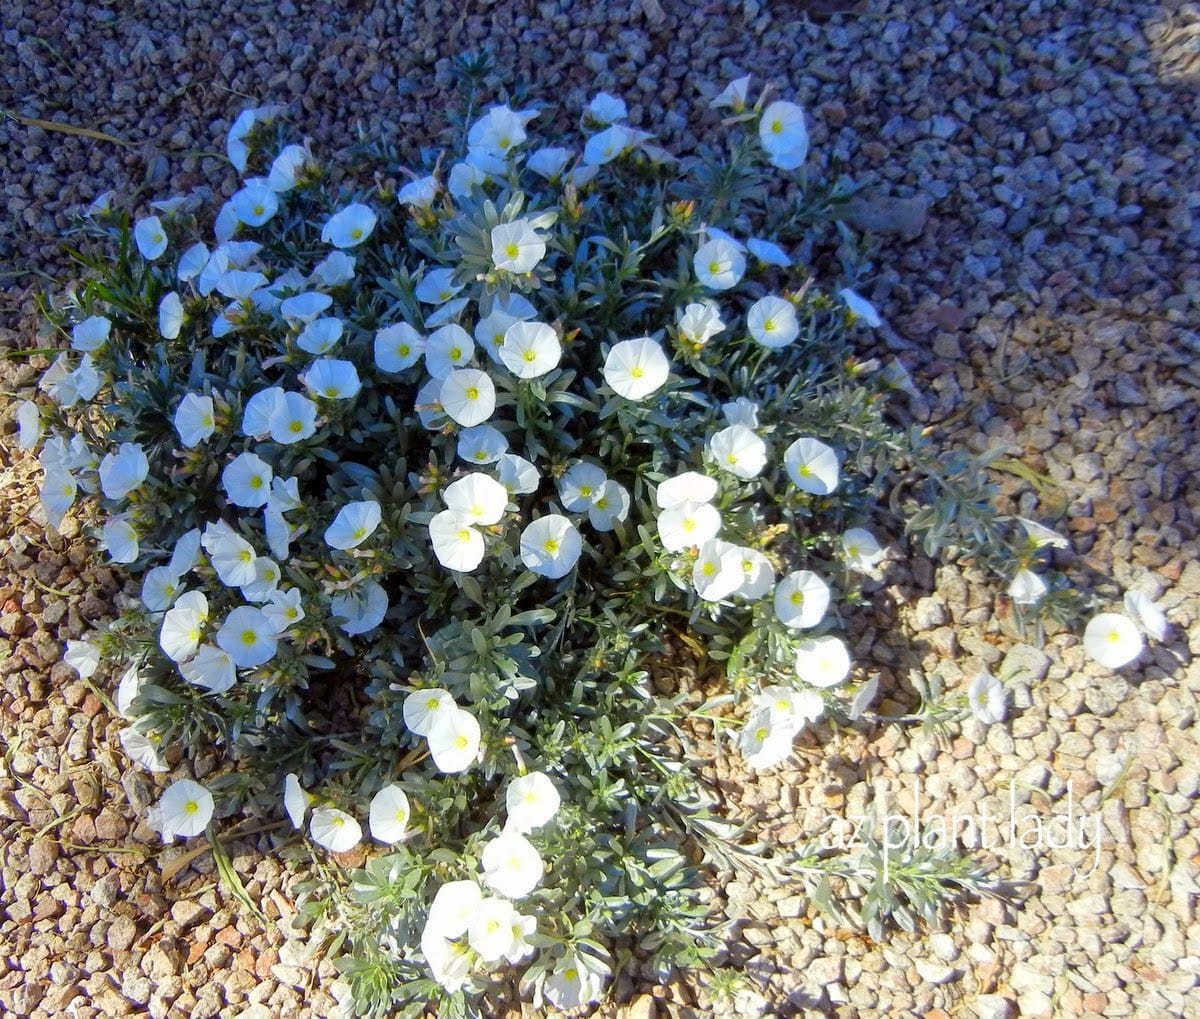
<point>423,479</point>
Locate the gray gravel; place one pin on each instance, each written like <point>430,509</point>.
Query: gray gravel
<point>1032,175</point>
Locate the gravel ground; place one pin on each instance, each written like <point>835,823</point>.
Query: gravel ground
<point>1034,185</point>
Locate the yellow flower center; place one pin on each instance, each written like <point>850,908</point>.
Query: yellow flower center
<point>456,354</point>
<point>777,127</point>
<point>356,233</point>
<point>552,546</point>
<point>637,372</point>
<point>249,638</point>
<point>472,392</point>
<point>714,268</point>
<point>256,481</point>
<point>797,598</point>
<point>296,427</point>
<point>512,250</point>
<point>464,535</point>
<point>191,807</point>
<point>259,210</point>
<point>404,350</point>
<point>360,533</point>
<point>331,392</point>
<point>247,556</point>
<point>462,743</point>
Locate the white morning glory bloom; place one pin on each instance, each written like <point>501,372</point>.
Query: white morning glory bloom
<point>183,626</point>
<point>490,331</point>
<point>128,689</point>
<point>634,369</point>
<point>57,493</point>
<point>610,506</point>
<point>332,379</point>
<point>292,419</point>
<point>267,575</point>
<point>741,411</point>
<point>464,179</point>
<point>699,322</point>
<point>687,487</point>
<point>718,571</point>
<point>862,551</point>
<point>580,486</point>
<point>453,908</point>
<point>1112,640</point>
<point>734,95</point>
<point>551,546</point>
<point>248,636</point>
<point>447,312</point>
<point>860,307</point>
<point>349,227</point>
<point>572,984</point>
<point>159,587</point>
<point>422,707</point>
<point>192,262</point>
<point>511,865</point>
<point>549,162</point>
<point>247,480</point>
<point>170,316</point>
<point>334,269</point>
<point>419,193</point>
<point>454,741</point>
<point>320,335</point>
<point>784,135</point>
<point>184,811</point>
<point>388,814</point>
<point>801,600</point>
<point>301,309</point>
<point>448,348</point>
<point>150,237</point>
<point>772,322</point>
<point>1146,614</point>
<point>480,499</point>
<point>823,662</point>
<point>354,524</point>
<point>605,146</point>
<point>719,264</point>
<point>1027,588</point>
<point>256,416</point>
<point>1040,535</point>
<point>29,424</point>
<point>231,555</point>
<point>499,130</point>
<point>765,741</point>
<point>398,347</point>
<point>457,545</point>
<point>145,752</point>
<point>491,931</point>
<point>287,167</point>
<point>255,203</point>
<point>986,698</point>
<point>123,471</point>
<point>437,287</point>
<point>607,109</point>
<point>518,475</point>
<point>812,466</point>
<point>739,451</point>
<point>768,252</point>
<point>91,334</point>
<point>363,610</point>
<point>517,247</point>
<point>119,539</point>
<point>688,525</point>
<point>83,657</point>
<point>532,801</point>
<point>295,800</point>
<point>789,709</point>
<point>284,609</point>
<point>758,575</point>
<point>482,444</point>
<point>226,225</point>
<point>210,668</point>
<point>334,830</point>
<point>186,553</point>
<point>530,349</point>
<point>468,396</point>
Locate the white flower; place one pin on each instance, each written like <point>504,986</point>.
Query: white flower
<point>532,801</point>
<point>772,322</point>
<point>159,587</point>
<point>247,480</point>
<point>801,600</point>
<point>863,699</point>
<point>1112,640</point>
<point>1146,614</point>
<point>741,411</point>
<point>464,178</point>
<point>419,194</point>
<point>551,546</point>
<point>398,347</point>
<point>303,308</point>
<point>783,135</point>
<point>58,493</point>
<point>286,168</point>
<point>320,335</point>
<point>256,416</point>
<point>29,424</point>
<point>580,486</point>
<point>211,668</point>
<point>83,657</point>
<point>490,331</point>
<point>1041,535</point>
<point>1027,588</point>
<point>334,269</point>
<point>499,130</point>
<point>718,571</point>
<point>765,741</point>
<point>610,506</point>
<point>422,707</point>
<point>448,348</point>
<point>143,751</point>
<point>788,708</point>
<point>183,626</point>
<point>607,109</point>
<point>823,661</point>
<point>548,162</point>
<point>572,984</point>
<point>128,689</point>
<point>453,908</point>
<point>119,539</point>
<point>739,451</point>
<point>91,334</point>
<point>363,610</point>
<point>185,809</point>
<point>192,262</point>
<point>457,545</point>
<point>248,636</point>
<point>150,237</point>
<point>605,146</point>
<point>123,471</point>
<point>292,419</point>
<point>295,800</point>
<point>232,556</point>
<point>334,830</point>
<point>987,700</point>
<point>186,552</point>
<point>447,312</point>
<point>453,740</point>
<point>768,252</point>
<point>530,349</point>
<point>687,487</point>
<point>812,466</point>
<point>861,550</point>
<point>687,525</point>
<point>699,322</point>
<point>170,316</point>
<point>636,368</point>
<point>350,227</point>
<point>719,264</point>
<point>511,865</point>
<point>734,95</point>
<point>354,524</point>
<point>235,144</point>
<point>482,500</point>
<point>482,444</point>
<point>468,396</point>
<point>449,962</point>
<point>860,307</point>
<point>518,475</point>
<point>284,609</point>
<point>758,576</point>
<point>517,247</point>
<point>255,203</point>
<point>491,930</point>
<point>266,579</point>
<point>389,814</point>
<point>332,379</point>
